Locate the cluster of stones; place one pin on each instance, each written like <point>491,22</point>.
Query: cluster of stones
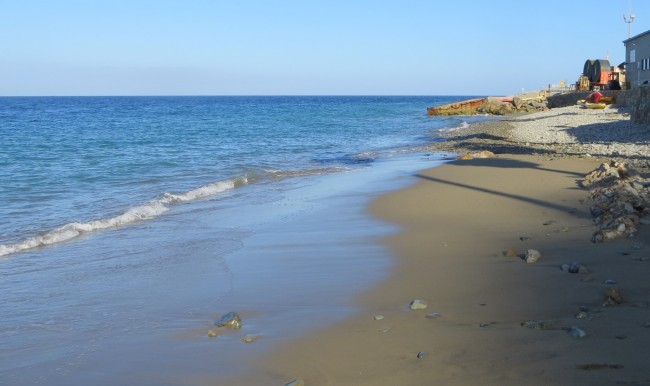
<point>517,105</point>
<point>621,200</point>
<point>478,154</point>
<point>232,321</point>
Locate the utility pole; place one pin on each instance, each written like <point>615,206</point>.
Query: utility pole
<point>629,18</point>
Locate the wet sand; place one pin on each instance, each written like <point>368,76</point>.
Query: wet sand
<point>457,223</point>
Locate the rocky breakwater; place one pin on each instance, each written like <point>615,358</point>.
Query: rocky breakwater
<point>492,106</point>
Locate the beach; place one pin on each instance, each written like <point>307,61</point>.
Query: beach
<point>116,262</point>
<point>491,316</point>
<point>121,276</point>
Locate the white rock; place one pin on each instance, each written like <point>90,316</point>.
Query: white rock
<point>532,256</point>
<point>418,304</point>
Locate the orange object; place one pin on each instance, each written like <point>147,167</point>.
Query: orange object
<point>605,77</point>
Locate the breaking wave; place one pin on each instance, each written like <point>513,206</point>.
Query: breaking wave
<point>144,212</point>
<point>460,126</point>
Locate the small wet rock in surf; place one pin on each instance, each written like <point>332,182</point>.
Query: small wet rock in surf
<point>250,338</point>
<point>213,333</point>
<point>229,320</point>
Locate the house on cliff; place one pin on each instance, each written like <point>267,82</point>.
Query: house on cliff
<point>637,59</point>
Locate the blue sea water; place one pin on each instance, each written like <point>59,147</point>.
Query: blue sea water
<point>117,210</point>
<point>69,166</point>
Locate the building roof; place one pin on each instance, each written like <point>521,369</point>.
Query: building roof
<point>636,37</point>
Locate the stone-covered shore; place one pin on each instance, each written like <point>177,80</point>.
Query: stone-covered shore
<point>621,198</point>
<point>558,132</point>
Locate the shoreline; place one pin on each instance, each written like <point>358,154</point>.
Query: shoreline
<point>457,222</point>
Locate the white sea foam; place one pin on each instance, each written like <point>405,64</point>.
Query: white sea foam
<point>277,173</point>
<point>462,125</point>
<point>144,212</point>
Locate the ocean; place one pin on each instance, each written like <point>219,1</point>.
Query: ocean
<point>131,223</point>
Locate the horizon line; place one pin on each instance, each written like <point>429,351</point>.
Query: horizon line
<point>230,95</point>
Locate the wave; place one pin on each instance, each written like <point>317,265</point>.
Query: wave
<point>140,213</point>
<point>462,125</point>
<point>281,174</point>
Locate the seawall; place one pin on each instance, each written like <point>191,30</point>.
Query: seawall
<point>636,99</point>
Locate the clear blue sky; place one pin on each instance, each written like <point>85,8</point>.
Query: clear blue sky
<point>305,47</point>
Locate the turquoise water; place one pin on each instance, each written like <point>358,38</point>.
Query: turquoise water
<point>70,166</point>
<point>131,222</point>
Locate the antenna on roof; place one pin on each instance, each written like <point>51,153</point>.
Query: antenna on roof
<point>629,18</point>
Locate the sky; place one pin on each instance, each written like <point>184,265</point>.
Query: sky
<point>306,47</point>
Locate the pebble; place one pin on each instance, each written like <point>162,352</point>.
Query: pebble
<point>532,255</point>
<point>574,268</point>
<point>539,324</point>
<point>297,382</point>
<point>511,252</point>
<point>213,333</point>
<point>433,315</point>
<point>250,338</point>
<point>577,332</point>
<point>418,304</point>
<point>581,315</point>
<point>614,295</point>
<point>379,317</point>
<point>422,354</point>
<point>230,320</point>
<point>384,329</point>
<point>610,282</point>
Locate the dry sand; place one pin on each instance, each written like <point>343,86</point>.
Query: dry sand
<point>457,221</point>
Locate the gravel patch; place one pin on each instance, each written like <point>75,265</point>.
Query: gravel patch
<point>563,132</point>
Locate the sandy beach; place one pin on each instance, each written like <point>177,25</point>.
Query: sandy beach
<point>492,317</point>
